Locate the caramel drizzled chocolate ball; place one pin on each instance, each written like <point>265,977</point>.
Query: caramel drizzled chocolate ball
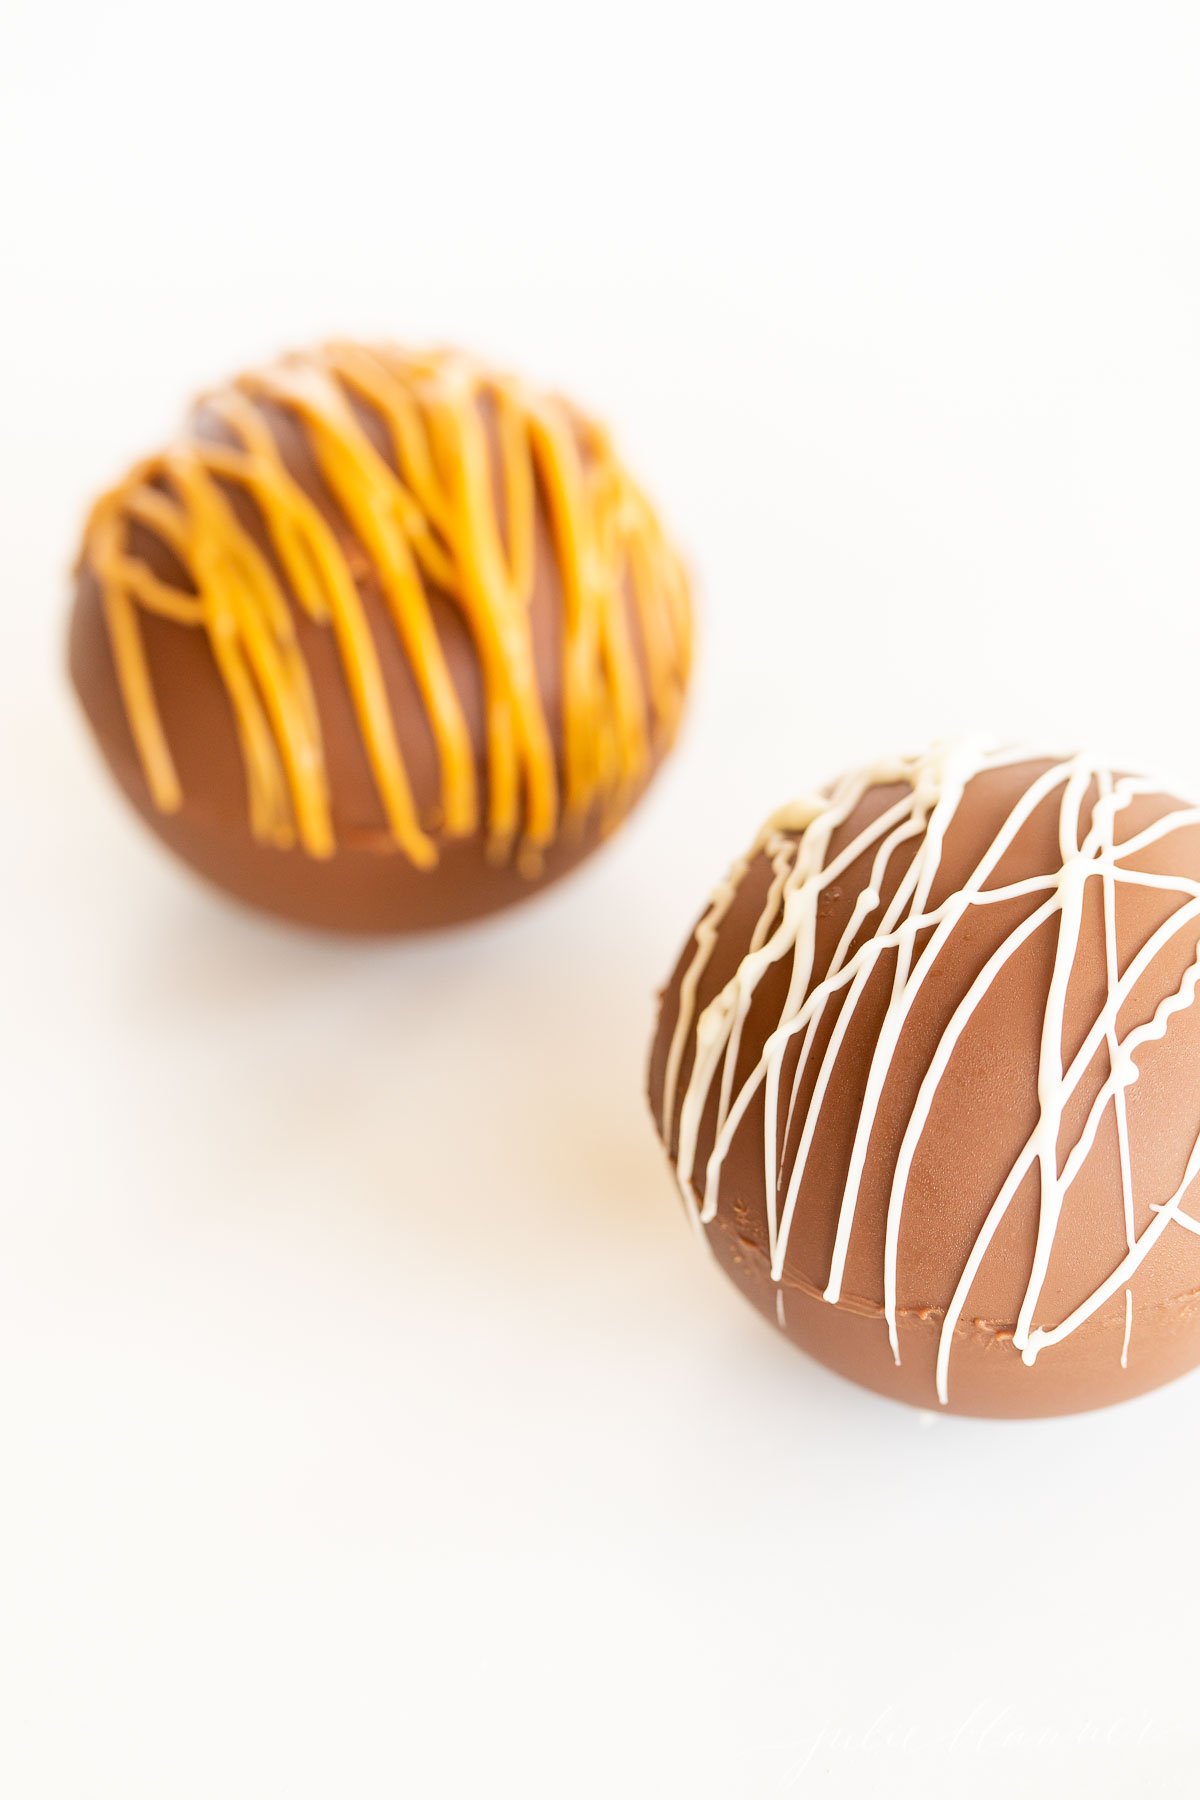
<point>928,1071</point>
<point>381,640</point>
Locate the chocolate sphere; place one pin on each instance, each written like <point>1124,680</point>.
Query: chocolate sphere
<point>928,1070</point>
<point>380,641</point>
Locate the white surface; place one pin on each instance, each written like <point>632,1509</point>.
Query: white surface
<point>371,1425</point>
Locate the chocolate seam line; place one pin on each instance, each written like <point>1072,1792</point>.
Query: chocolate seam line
<point>425,519</point>
<point>1001,1330</point>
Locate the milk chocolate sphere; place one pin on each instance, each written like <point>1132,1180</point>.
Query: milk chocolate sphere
<point>381,640</point>
<point>928,1070</point>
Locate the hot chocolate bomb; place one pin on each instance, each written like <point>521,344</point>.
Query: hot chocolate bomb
<point>381,640</point>
<point>929,1073</point>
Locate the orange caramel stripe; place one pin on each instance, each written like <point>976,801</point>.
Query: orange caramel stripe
<point>443,512</point>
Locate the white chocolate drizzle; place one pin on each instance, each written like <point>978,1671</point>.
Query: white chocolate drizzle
<point>798,842</point>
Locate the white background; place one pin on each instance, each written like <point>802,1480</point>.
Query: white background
<point>370,1425</point>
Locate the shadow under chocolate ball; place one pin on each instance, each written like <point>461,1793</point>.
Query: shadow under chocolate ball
<point>381,642</point>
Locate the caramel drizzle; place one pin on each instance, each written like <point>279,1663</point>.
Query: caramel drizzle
<point>426,519</point>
